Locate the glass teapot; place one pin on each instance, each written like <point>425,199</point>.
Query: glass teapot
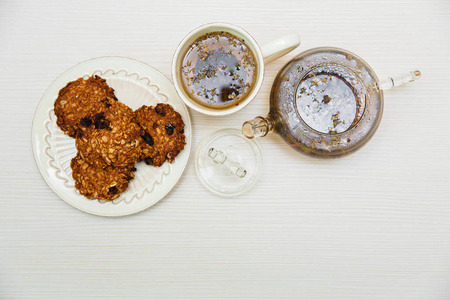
<point>325,102</point>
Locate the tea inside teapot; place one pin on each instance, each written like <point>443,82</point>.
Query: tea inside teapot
<point>330,99</point>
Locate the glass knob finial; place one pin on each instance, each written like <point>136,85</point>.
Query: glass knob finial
<point>220,158</point>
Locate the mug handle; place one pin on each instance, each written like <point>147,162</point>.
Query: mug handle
<point>280,46</point>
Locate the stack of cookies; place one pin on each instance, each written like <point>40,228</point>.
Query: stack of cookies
<point>111,137</point>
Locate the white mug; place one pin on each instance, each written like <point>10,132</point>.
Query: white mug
<point>265,54</point>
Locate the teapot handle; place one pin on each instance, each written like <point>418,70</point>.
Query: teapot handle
<point>398,80</point>
<point>280,46</point>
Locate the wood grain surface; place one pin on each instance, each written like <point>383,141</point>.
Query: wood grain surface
<point>373,225</point>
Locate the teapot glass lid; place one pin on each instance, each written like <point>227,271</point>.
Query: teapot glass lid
<point>227,163</point>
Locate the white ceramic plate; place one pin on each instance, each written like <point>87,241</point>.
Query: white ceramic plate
<point>135,84</point>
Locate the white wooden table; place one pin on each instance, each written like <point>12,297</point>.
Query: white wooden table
<point>373,225</point>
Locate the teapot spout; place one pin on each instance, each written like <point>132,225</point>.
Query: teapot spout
<point>258,127</point>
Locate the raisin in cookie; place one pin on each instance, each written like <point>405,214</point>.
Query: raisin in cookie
<point>79,99</point>
<point>110,137</point>
<point>94,182</point>
<point>163,133</point>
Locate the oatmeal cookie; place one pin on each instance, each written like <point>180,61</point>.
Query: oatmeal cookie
<point>94,182</point>
<point>110,137</point>
<point>163,133</point>
<point>80,99</point>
